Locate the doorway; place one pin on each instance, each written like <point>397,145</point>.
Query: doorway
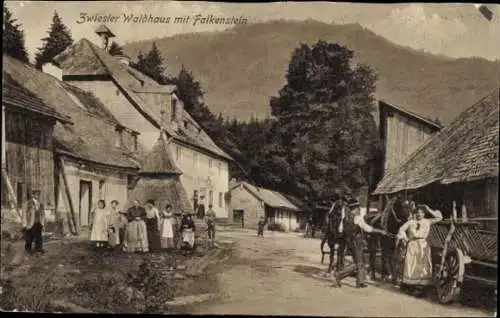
<point>85,202</point>
<point>239,217</point>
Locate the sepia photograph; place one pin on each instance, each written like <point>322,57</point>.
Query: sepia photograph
<point>240,158</point>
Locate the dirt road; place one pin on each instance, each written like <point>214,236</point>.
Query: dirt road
<point>282,275</point>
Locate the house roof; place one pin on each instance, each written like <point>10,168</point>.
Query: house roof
<point>409,114</point>
<point>15,95</point>
<point>159,160</point>
<point>84,58</point>
<point>92,135</point>
<point>269,197</point>
<point>464,151</point>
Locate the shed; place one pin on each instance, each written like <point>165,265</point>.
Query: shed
<point>249,203</point>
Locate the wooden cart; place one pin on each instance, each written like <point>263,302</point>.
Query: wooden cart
<point>462,252</point>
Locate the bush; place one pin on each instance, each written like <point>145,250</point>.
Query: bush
<point>33,296</point>
<point>276,227</point>
<point>152,281</point>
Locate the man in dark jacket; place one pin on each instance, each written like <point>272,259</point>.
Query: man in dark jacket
<point>353,224</point>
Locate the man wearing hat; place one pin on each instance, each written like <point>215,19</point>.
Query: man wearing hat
<point>33,220</point>
<point>352,225</point>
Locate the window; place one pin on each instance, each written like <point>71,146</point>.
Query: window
<point>210,163</point>
<point>136,144</point>
<point>195,160</point>
<point>221,200</point>
<point>118,137</point>
<point>211,197</point>
<point>101,190</point>
<point>178,153</point>
<point>174,108</point>
<point>185,124</point>
<point>219,167</point>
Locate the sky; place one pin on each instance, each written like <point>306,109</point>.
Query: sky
<point>454,30</point>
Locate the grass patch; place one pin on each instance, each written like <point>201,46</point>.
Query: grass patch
<point>102,281</point>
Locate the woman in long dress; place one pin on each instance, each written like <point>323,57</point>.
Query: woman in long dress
<point>168,228</point>
<point>113,222</point>
<point>137,235</point>
<point>99,225</point>
<point>188,228</point>
<point>153,226</point>
<point>417,271</point>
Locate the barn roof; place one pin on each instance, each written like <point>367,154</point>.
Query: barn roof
<point>269,197</point>
<point>84,58</point>
<point>406,113</point>
<point>464,151</point>
<point>91,137</point>
<point>159,160</point>
<point>15,95</point>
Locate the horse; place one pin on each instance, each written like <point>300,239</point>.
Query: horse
<point>395,214</point>
<point>331,237</point>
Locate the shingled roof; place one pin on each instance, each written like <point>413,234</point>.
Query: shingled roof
<point>269,197</point>
<point>466,150</point>
<point>15,95</point>
<point>92,135</point>
<point>149,98</point>
<point>159,160</point>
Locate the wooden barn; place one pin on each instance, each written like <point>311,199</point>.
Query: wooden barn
<point>249,203</point>
<point>27,147</point>
<point>458,166</point>
<point>95,158</point>
<point>401,133</point>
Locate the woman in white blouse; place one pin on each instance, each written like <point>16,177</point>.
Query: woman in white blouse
<point>418,263</point>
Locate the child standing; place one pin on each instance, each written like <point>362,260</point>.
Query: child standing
<point>261,224</point>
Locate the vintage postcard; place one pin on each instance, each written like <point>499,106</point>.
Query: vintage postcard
<point>276,158</point>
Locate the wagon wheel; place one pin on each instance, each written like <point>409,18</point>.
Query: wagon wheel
<point>450,277</point>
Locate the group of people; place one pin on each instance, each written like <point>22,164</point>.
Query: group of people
<point>141,228</point>
<point>348,220</point>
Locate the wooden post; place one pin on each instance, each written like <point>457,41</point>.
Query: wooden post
<point>368,189</point>
<point>68,195</point>
<point>454,211</point>
<point>13,199</point>
<point>4,140</point>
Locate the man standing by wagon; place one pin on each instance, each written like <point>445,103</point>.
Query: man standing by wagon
<point>353,226</point>
<point>33,220</point>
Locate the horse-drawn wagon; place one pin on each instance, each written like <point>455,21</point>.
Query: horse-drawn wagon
<point>462,252</point>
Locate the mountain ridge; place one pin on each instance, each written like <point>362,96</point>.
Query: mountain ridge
<point>239,76</point>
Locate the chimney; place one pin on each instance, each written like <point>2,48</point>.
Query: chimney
<point>177,109</point>
<point>105,34</point>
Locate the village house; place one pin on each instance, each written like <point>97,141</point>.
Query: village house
<point>27,148</point>
<point>401,133</point>
<point>456,169</point>
<point>249,203</point>
<point>138,102</point>
<point>89,162</point>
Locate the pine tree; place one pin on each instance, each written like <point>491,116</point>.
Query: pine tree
<point>151,64</point>
<point>58,40</point>
<point>115,49</point>
<point>13,38</point>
